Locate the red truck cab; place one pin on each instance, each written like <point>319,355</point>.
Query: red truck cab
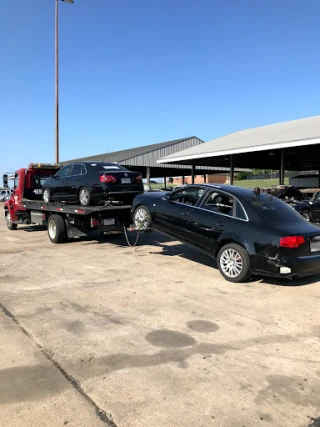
<point>28,184</point>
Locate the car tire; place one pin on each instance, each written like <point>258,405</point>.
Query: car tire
<point>9,222</point>
<point>84,196</point>
<point>142,218</point>
<point>234,263</point>
<point>57,229</point>
<point>46,196</point>
<point>306,215</point>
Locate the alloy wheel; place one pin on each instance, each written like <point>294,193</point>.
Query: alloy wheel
<point>231,263</point>
<point>84,196</point>
<point>141,218</point>
<point>46,196</point>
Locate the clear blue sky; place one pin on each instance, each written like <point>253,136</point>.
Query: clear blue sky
<point>140,72</point>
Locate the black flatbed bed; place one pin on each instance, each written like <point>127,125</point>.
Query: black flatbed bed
<point>71,208</point>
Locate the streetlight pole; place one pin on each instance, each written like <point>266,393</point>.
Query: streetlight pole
<point>57,75</point>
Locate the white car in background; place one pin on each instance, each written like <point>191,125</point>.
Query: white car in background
<point>4,194</point>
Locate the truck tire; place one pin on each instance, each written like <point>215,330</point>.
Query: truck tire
<point>9,222</point>
<point>46,196</point>
<point>57,229</point>
<point>84,196</point>
<point>306,215</point>
<point>234,263</point>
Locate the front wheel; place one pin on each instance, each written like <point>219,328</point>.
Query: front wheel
<point>9,222</point>
<point>306,215</point>
<point>57,229</point>
<point>142,218</point>
<point>233,263</point>
<point>46,195</point>
<point>84,196</point>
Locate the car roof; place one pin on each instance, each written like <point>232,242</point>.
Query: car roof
<point>232,189</point>
<point>98,163</point>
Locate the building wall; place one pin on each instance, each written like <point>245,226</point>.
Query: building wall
<point>199,179</point>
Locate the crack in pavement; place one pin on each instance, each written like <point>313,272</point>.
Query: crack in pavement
<point>75,384</point>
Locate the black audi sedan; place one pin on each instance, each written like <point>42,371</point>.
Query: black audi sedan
<point>91,182</point>
<point>246,231</point>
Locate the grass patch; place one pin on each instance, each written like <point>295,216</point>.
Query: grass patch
<point>252,183</point>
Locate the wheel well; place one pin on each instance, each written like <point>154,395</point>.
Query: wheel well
<point>226,242</point>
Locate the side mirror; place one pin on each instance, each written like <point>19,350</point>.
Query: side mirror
<point>5,180</point>
<point>52,177</point>
<point>167,197</point>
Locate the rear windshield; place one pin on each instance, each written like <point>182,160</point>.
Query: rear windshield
<point>274,210</point>
<point>107,166</point>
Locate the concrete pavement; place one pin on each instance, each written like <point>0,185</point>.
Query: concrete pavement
<point>152,336</point>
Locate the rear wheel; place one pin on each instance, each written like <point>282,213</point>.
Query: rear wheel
<point>56,229</point>
<point>306,215</point>
<point>142,217</point>
<point>9,222</point>
<point>233,263</point>
<point>84,196</point>
<point>46,195</point>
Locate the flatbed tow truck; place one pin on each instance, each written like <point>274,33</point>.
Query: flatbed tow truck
<point>63,220</point>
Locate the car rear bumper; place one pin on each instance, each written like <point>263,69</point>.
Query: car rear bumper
<point>301,266</point>
<point>277,267</point>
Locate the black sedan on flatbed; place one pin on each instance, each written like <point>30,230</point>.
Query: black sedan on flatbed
<point>248,232</point>
<point>93,182</point>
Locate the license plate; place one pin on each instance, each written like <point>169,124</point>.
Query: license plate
<point>109,221</point>
<point>314,246</point>
<point>125,181</point>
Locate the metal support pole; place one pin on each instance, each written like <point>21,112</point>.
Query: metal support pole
<point>57,82</point>
<point>282,167</point>
<point>182,180</point>
<point>204,178</point>
<point>165,182</point>
<point>193,173</point>
<point>231,173</point>
<point>148,175</point>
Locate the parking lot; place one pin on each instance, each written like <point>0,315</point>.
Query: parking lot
<point>95,333</point>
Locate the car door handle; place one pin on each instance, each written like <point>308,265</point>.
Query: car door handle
<point>185,214</point>
<point>63,182</point>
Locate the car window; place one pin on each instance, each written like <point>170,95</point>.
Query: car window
<point>77,169</point>
<point>107,166</point>
<point>317,198</point>
<point>16,181</point>
<point>187,195</point>
<point>83,169</point>
<point>239,211</point>
<point>274,210</point>
<point>219,202</point>
<point>64,172</point>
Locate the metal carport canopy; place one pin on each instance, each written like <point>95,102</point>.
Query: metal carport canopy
<point>295,145</point>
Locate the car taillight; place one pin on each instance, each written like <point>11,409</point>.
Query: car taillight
<point>139,178</point>
<point>108,178</point>
<point>291,241</point>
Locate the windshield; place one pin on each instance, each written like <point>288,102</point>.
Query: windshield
<point>274,210</point>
